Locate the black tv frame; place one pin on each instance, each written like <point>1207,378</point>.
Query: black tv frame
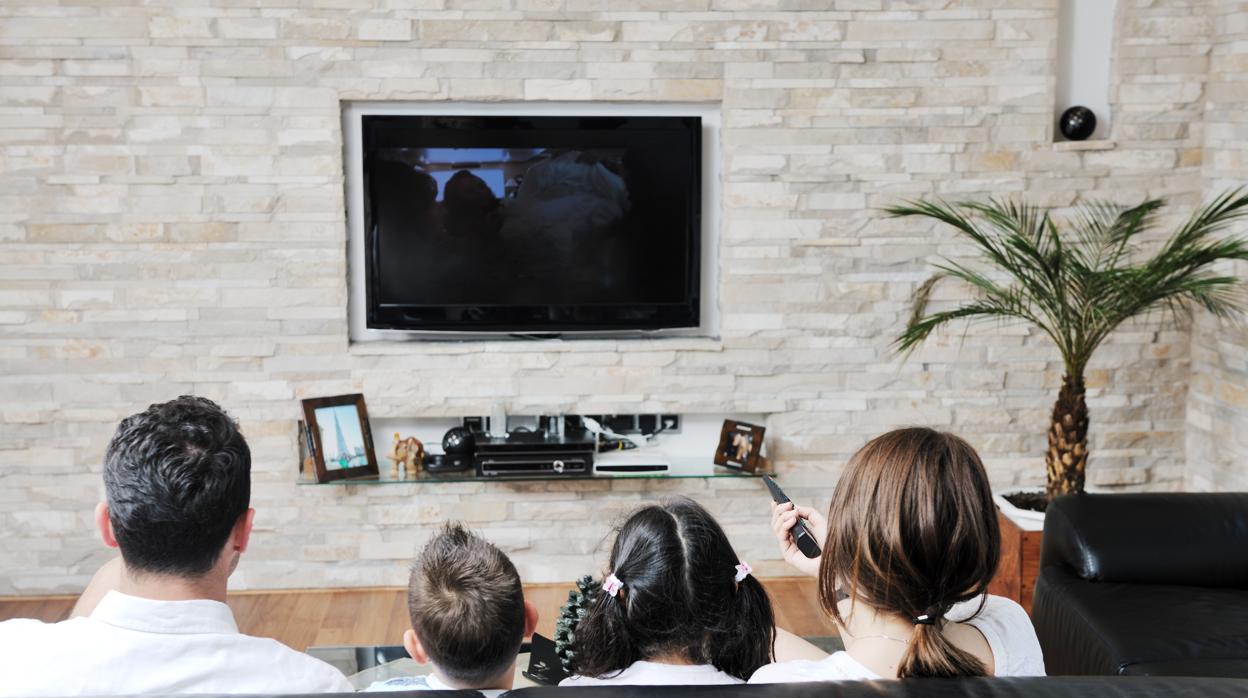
<point>389,130</point>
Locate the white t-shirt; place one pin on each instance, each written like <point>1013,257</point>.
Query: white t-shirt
<point>428,682</point>
<point>1003,623</point>
<point>643,673</point>
<point>133,646</point>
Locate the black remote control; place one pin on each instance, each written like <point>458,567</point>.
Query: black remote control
<point>805,542</point>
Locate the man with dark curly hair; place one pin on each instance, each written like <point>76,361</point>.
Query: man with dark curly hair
<point>178,482</point>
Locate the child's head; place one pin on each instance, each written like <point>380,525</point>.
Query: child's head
<point>468,611</point>
<point>912,530</point>
<point>680,598</point>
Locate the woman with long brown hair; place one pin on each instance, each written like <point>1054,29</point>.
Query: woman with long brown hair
<point>910,544</point>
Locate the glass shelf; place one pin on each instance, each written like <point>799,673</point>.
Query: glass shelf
<point>678,468</point>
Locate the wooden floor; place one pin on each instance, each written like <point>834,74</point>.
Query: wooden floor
<point>303,619</point>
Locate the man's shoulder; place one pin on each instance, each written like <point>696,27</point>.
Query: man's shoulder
<point>256,664</point>
<point>42,650</point>
<point>23,630</point>
<point>19,630</point>
<point>275,651</point>
<point>21,624</point>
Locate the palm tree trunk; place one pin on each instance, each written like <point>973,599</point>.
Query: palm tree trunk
<point>1067,457</point>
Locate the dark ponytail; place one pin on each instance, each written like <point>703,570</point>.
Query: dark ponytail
<point>930,654</point>
<point>679,597</point>
<point>912,530</point>
<point>602,643</point>
<point>737,645</point>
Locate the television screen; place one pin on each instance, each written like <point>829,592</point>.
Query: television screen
<point>532,224</point>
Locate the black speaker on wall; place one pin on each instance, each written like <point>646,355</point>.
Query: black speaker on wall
<point>1077,123</point>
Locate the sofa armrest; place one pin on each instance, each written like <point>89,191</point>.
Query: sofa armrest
<point>1071,645</point>
<point>1153,538</point>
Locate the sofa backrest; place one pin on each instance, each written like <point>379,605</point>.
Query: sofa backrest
<point>1018,687</point>
<point>1037,687</point>
<point>1186,539</point>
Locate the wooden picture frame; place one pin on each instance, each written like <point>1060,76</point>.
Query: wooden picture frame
<point>350,451</point>
<point>740,445</point>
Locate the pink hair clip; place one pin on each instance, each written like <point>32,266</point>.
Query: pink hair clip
<point>743,571</point>
<point>612,585</point>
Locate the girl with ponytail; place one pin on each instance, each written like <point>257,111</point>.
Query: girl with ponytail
<point>677,606</point>
<point>911,542</point>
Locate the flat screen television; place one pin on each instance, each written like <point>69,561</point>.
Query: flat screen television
<point>531,224</point>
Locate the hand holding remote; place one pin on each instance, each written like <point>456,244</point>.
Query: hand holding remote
<point>789,523</point>
<point>783,518</point>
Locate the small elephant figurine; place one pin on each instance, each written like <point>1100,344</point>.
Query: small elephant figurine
<point>409,452</point>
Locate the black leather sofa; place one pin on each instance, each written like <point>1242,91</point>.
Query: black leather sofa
<point>926,688</point>
<point>1144,585</point>
<point>1065,687</point>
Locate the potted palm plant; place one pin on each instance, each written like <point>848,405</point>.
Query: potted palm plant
<point>1077,279</point>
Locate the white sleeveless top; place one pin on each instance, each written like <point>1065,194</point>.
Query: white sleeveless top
<point>643,673</point>
<point>1003,623</point>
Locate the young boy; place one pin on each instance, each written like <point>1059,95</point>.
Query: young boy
<point>468,614</point>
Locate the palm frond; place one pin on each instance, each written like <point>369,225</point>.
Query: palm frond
<point>1077,282</point>
<point>1010,217</point>
<point>993,300</point>
<point>1212,218</point>
<point>1219,295</point>
<point>1181,271</point>
<point>1103,231</point>
<point>1019,240</point>
<point>949,215</point>
<point>923,296</point>
<point>1027,235</point>
<point>920,329</point>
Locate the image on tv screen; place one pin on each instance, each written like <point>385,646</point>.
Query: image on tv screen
<point>529,226</point>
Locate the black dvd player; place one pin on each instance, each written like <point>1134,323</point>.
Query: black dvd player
<point>534,453</point>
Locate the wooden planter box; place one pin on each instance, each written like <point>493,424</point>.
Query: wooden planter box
<point>1020,563</point>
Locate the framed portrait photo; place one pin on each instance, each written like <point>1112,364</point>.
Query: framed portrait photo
<point>339,437</point>
<point>740,445</point>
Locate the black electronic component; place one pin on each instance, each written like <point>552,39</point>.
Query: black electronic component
<point>631,468</point>
<point>447,463</point>
<point>621,423</point>
<point>647,423</point>
<point>534,453</point>
<point>532,226</point>
<point>459,441</point>
<point>545,665</point>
